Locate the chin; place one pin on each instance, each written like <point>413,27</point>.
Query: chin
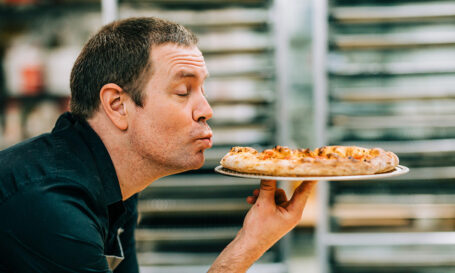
<point>199,162</point>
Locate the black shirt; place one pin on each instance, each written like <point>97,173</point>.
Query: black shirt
<point>61,207</point>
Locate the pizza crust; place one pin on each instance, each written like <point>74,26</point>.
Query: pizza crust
<point>324,161</point>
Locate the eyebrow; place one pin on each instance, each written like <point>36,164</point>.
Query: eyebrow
<point>187,74</point>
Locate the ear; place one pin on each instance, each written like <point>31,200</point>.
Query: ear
<point>113,100</point>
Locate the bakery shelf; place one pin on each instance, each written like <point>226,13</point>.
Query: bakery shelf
<point>16,11</point>
<point>35,98</point>
<point>416,147</point>
<point>398,256</point>
<point>384,79</point>
<point>394,108</point>
<point>398,210</point>
<point>240,64</point>
<point>240,113</point>
<point>256,268</point>
<point>236,121</point>
<point>390,87</point>
<point>411,12</point>
<point>373,211</point>
<point>393,121</point>
<point>254,99</point>
<point>390,239</point>
<point>407,133</point>
<point>232,90</point>
<point>176,259</point>
<point>209,18</point>
<point>198,3</point>
<point>242,135</point>
<point>395,69</point>
<point>392,41</point>
<point>393,269</point>
<point>195,206</point>
<point>234,41</point>
<point>396,198</point>
<point>187,234</point>
<point>387,95</point>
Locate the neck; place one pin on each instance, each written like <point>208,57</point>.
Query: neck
<point>133,172</point>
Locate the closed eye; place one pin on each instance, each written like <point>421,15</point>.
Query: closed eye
<point>182,93</point>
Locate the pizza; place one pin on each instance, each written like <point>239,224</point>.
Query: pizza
<point>324,161</point>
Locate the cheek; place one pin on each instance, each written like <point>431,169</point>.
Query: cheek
<point>167,122</point>
<point>173,119</point>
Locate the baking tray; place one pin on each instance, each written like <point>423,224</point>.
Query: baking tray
<point>399,170</point>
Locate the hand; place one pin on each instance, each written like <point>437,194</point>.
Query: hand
<point>272,214</point>
<point>270,218</point>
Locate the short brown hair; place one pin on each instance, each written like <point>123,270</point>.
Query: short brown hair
<point>120,53</point>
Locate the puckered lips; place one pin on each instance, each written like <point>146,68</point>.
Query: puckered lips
<point>205,140</point>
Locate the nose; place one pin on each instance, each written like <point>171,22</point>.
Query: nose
<point>202,110</point>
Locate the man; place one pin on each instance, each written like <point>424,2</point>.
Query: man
<point>138,113</point>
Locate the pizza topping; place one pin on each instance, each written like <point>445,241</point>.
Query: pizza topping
<point>243,150</point>
<point>305,152</point>
<point>332,155</point>
<point>327,160</point>
<point>283,150</point>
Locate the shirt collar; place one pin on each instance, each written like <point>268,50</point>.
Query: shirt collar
<point>100,154</point>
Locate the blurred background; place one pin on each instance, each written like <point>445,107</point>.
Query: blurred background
<point>302,73</point>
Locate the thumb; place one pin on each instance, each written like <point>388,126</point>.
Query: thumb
<point>267,190</point>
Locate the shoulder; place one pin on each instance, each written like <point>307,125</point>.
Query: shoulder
<point>47,147</point>
<point>44,159</point>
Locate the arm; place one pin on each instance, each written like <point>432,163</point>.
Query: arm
<point>268,220</point>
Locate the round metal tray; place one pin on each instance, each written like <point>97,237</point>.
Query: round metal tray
<point>399,170</point>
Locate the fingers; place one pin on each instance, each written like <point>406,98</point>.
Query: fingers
<point>267,190</point>
<point>252,199</point>
<point>256,192</point>
<point>301,194</point>
<point>280,197</point>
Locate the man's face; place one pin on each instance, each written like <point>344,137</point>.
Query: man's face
<point>171,128</point>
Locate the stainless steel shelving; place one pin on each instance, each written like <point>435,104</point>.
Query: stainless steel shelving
<point>384,77</point>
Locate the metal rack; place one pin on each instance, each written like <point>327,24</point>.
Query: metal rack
<point>384,77</point>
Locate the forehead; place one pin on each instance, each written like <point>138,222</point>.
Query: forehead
<point>178,60</point>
